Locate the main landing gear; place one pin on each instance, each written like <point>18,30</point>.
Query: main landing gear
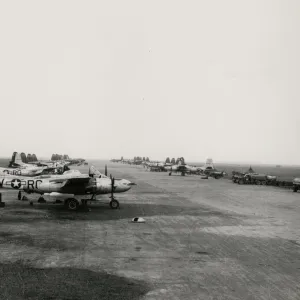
<point>73,204</point>
<point>22,198</point>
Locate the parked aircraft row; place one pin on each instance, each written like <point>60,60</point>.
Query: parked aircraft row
<point>181,167</point>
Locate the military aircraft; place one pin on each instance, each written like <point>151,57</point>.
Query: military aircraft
<point>49,164</point>
<point>21,172</point>
<point>176,169</point>
<point>180,167</point>
<point>116,160</point>
<point>215,173</point>
<point>19,168</point>
<point>192,169</point>
<point>207,166</point>
<point>17,162</point>
<point>208,169</point>
<point>72,183</point>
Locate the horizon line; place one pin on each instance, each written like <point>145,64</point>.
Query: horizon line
<point>191,161</point>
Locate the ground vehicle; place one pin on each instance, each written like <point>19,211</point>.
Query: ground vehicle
<point>271,180</point>
<point>237,176</point>
<point>296,184</point>
<point>259,179</point>
<point>250,178</point>
<point>156,169</point>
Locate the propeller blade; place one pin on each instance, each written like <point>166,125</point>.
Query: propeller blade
<point>105,172</point>
<point>112,186</point>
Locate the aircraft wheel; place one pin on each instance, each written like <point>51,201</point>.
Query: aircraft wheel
<point>72,204</point>
<point>170,174</point>
<point>19,195</point>
<point>295,189</point>
<point>114,204</point>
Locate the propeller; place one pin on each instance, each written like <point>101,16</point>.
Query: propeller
<point>105,172</point>
<point>112,186</point>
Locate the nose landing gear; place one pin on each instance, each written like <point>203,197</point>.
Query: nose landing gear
<point>114,203</point>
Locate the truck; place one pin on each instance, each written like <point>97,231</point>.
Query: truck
<point>296,184</point>
<point>252,178</point>
<point>271,180</point>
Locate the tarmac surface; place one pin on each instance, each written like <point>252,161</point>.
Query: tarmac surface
<point>202,239</point>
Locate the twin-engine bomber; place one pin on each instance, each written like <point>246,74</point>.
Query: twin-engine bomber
<point>71,182</point>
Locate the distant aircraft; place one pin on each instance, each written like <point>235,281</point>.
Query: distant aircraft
<point>50,164</point>
<point>33,168</point>
<point>17,162</point>
<point>208,165</point>
<point>115,160</point>
<point>72,183</point>
<point>209,169</point>
<point>21,172</point>
<point>179,168</point>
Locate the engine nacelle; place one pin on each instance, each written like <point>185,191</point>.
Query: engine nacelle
<point>92,186</point>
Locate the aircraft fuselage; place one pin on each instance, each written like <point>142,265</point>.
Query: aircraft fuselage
<point>95,186</point>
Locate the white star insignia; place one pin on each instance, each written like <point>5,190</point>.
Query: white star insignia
<point>16,183</point>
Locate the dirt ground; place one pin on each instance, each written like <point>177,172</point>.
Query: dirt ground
<point>203,239</point>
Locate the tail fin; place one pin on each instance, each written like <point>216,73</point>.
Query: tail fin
<point>16,160</point>
<point>209,164</point>
<point>14,156</point>
<point>181,161</point>
<point>93,172</point>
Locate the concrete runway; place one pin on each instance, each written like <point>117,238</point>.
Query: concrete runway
<point>203,239</point>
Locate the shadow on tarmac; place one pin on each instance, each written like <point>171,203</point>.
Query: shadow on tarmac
<point>22,281</point>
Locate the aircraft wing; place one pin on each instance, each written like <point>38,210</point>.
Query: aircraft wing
<point>77,181</point>
<point>74,180</point>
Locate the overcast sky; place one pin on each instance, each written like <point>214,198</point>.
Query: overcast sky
<point>101,79</point>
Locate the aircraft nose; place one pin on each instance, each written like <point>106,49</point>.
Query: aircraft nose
<point>126,184</point>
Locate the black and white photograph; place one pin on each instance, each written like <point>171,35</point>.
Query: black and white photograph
<point>150,150</point>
